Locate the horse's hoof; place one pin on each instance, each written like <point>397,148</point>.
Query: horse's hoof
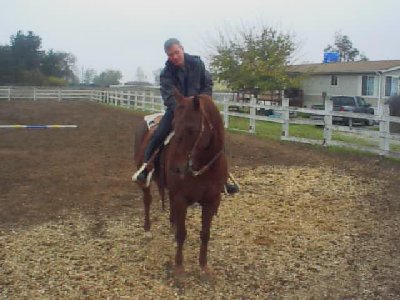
<point>179,271</point>
<point>207,273</point>
<point>148,235</point>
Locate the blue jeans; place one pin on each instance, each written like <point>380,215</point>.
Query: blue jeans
<point>164,128</point>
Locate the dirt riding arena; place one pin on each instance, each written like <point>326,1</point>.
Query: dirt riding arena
<point>308,223</point>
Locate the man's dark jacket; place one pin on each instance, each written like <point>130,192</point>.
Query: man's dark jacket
<point>197,80</point>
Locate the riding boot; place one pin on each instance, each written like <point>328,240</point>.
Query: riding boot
<point>231,188</point>
<point>141,174</point>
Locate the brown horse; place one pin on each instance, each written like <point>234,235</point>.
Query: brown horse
<point>194,169</point>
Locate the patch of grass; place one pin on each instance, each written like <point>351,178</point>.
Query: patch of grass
<point>306,131</point>
<point>274,130</point>
<point>351,139</point>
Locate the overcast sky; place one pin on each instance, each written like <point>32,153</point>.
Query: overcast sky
<point>127,34</point>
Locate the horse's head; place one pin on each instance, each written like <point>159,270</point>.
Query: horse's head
<point>196,135</point>
<point>191,124</point>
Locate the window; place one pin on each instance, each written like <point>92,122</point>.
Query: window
<point>367,87</point>
<point>343,101</point>
<point>391,86</point>
<point>334,80</point>
<point>361,102</point>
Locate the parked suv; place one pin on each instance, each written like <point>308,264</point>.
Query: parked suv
<point>354,104</point>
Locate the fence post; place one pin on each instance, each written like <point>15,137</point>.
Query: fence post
<point>226,110</point>
<point>285,116</point>
<point>151,100</point>
<point>252,125</point>
<point>135,99</point>
<point>129,98</point>
<point>384,129</point>
<point>143,100</point>
<point>328,122</point>
<point>9,94</point>
<point>59,94</point>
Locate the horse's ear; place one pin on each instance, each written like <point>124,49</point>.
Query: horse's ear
<point>178,96</point>
<point>196,102</point>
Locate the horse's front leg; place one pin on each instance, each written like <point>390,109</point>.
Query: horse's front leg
<point>180,210</point>
<point>171,213</point>
<point>208,211</point>
<point>147,202</point>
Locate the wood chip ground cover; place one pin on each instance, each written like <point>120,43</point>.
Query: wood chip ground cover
<point>292,233</point>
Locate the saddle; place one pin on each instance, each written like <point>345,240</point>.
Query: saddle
<point>153,120</point>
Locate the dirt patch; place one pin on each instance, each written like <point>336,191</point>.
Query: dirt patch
<point>307,224</point>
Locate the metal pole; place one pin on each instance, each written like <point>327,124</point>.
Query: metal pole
<point>328,122</point>
<point>285,115</point>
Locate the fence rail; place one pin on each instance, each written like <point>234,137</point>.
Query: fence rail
<point>149,99</point>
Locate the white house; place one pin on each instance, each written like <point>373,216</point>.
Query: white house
<point>375,81</point>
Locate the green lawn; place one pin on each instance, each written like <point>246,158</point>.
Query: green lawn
<point>273,131</point>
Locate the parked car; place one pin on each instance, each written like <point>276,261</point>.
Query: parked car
<point>354,104</point>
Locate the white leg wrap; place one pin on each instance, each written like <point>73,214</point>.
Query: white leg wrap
<point>148,179</point>
<point>135,176</point>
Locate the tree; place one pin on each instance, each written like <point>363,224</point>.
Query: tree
<point>254,60</point>
<point>26,50</point>
<point>24,63</point>
<point>58,64</point>
<point>107,78</point>
<point>156,74</point>
<point>344,46</point>
<point>89,76</point>
<point>6,65</point>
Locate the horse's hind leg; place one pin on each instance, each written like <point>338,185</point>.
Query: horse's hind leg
<point>147,202</point>
<point>172,220</point>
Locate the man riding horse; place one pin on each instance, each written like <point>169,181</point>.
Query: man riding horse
<point>187,73</point>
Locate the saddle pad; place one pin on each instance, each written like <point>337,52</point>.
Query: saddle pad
<point>153,119</point>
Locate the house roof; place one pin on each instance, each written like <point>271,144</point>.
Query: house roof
<point>356,67</point>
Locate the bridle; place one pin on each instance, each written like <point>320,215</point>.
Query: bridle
<point>189,164</point>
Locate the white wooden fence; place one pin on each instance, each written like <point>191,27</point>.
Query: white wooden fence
<point>149,99</point>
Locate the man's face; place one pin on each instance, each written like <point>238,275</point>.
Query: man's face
<point>175,55</point>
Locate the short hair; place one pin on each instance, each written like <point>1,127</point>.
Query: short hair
<point>172,41</point>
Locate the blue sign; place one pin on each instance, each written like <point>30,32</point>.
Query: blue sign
<point>330,57</point>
